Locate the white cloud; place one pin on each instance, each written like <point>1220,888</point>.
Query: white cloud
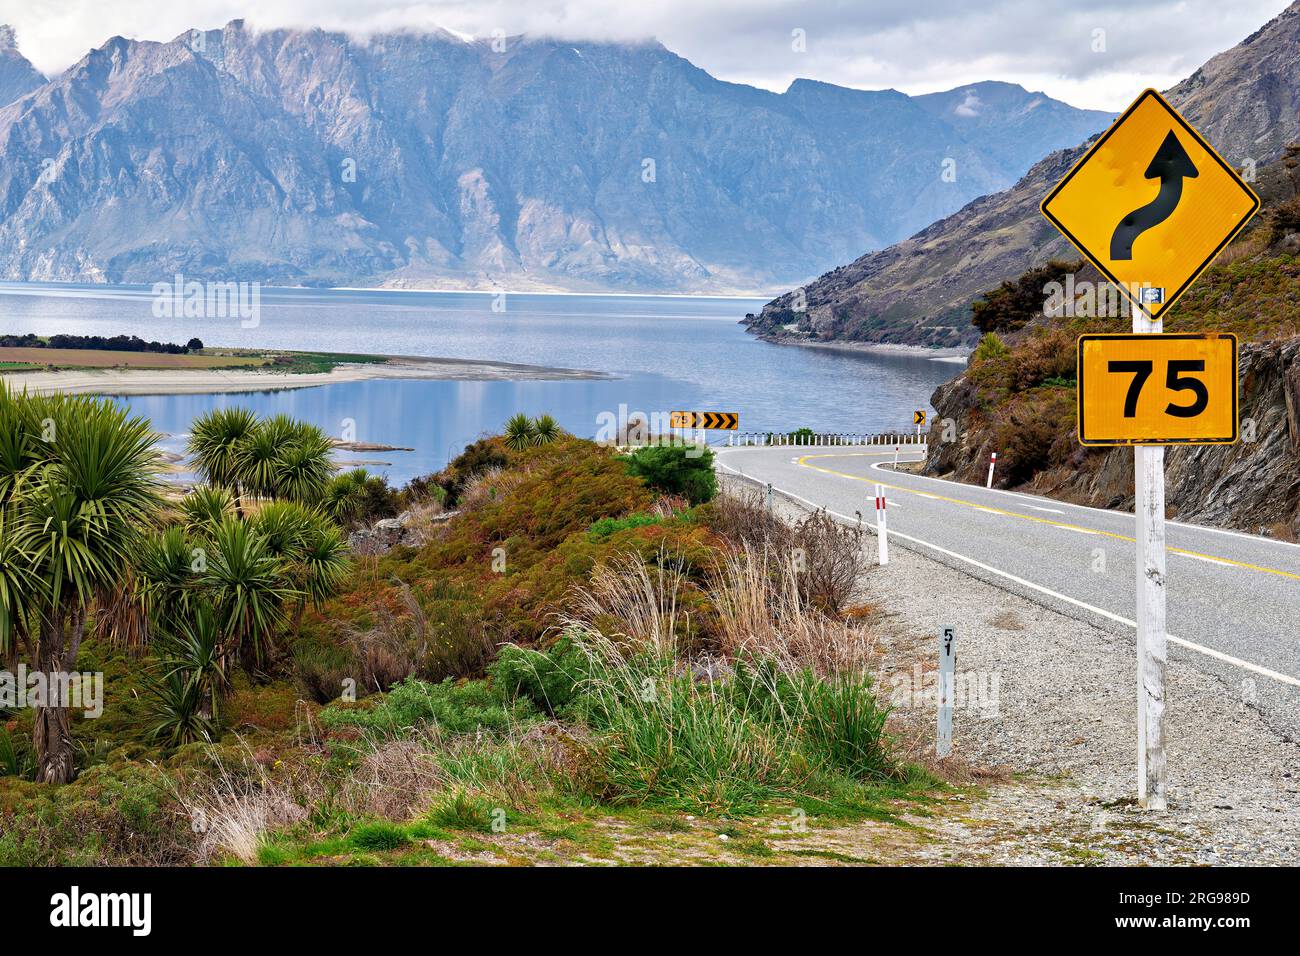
<point>912,45</point>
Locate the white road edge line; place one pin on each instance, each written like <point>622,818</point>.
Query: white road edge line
<point>1102,612</point>
<point>882,466</point>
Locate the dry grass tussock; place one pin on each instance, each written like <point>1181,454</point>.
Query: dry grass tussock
<point>762,606</point>
<point>633,601</point>
<point>238,807</point>
<point>764,612</point>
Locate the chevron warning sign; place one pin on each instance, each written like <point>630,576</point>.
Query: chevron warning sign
<point>722,421</point>
<point>918,417</point>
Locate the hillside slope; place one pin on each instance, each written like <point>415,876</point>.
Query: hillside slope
<point>1245,101</point>
<point>306,157</point>
<point>1018,397</point>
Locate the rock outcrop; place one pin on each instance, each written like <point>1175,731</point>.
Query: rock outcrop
<point>1252,486</point>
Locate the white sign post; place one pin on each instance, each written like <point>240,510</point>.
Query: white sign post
<point>1149,515</point>
<point>882,530</point>
<point>993,460</point>
<point>947,686</point>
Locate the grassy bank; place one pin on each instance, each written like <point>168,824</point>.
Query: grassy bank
<point>596,658</point>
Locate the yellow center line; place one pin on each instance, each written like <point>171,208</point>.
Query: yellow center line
<point>803,462</point>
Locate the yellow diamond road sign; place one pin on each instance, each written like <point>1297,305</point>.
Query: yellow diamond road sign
<point>1151,204</point>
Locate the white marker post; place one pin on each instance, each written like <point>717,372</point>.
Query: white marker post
<point>896,447</point>
<point>993,460</point>
<point>1149,514</point>
<point>882,530</point>
<point>947,686</point>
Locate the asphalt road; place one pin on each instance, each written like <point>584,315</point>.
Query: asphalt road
<point>1233,599</point>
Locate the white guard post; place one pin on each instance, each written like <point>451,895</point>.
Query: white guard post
<point>882,530</point>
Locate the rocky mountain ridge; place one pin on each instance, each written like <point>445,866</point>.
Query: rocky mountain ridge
<point>308,157</point>
<point>1245,101</point>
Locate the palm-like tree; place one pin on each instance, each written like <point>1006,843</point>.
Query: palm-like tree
<point>344,495</point>
<point>86,488</point>
<point>520,432</point>
<point>324,560</point>
<point>205,507</point>
<point>303,468</point>
<point>545,430</point>
<point>166,577</point>
<point>248,588</point>
<point>187,696</point>
<point>215,440</point>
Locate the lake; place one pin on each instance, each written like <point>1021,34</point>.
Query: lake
<point>667,352</point>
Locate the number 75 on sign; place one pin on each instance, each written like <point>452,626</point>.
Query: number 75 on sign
<point>1172,389</point>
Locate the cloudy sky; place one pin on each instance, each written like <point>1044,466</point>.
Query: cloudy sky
<point>1095,54</point>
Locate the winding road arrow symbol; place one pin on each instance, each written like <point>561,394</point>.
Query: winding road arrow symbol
<point>1172,165</point>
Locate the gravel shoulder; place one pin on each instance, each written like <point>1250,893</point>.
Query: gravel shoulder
<point>1048,774</point>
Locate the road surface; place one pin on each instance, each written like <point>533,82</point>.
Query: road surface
<point>1233,599</point>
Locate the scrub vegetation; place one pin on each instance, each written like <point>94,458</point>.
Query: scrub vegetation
<point>595,655</point>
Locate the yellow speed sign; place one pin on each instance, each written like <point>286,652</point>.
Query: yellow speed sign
<point>1158,389</point>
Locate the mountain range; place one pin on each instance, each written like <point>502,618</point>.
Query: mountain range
<point>306,157</point>
<point>1245,101</point>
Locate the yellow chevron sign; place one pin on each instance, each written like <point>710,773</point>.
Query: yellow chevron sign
<point>918,417</point>
<point>721,421</point>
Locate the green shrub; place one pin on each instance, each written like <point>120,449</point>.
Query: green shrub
<point>455,708</point>
<point>378,835</point>
<point>15,757</point>
<point>607,526</point>
<point>549,679</point>
<point>685,470</point>
<point>991,347</point>
<point>670,739</point>
<point>461,811</point>
<point>844,726</point>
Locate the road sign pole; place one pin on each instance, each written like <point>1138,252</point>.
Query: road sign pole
<point>993,460</point>
<point>1149,515</point>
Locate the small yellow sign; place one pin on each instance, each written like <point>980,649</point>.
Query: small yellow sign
<point>1174,389</point>
<point>1151,204</point>
<point>918,417</point>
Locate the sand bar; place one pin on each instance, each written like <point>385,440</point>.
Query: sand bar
<point>114,381</point>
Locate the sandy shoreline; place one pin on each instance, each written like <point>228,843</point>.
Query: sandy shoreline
<point>109,381</point>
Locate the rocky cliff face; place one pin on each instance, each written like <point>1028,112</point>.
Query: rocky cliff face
<point>1252,486</point>
<point>1245,101</point>
<point>307,157</point>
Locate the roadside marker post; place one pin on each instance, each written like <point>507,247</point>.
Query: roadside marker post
<point>882,529</point>
<point>896,447</point>
<point>947,687</point>
<point>993,460</point>
<point>1150,205</point>
<point>769,497</point>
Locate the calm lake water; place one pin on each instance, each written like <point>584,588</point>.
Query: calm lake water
<point>667,353</point>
